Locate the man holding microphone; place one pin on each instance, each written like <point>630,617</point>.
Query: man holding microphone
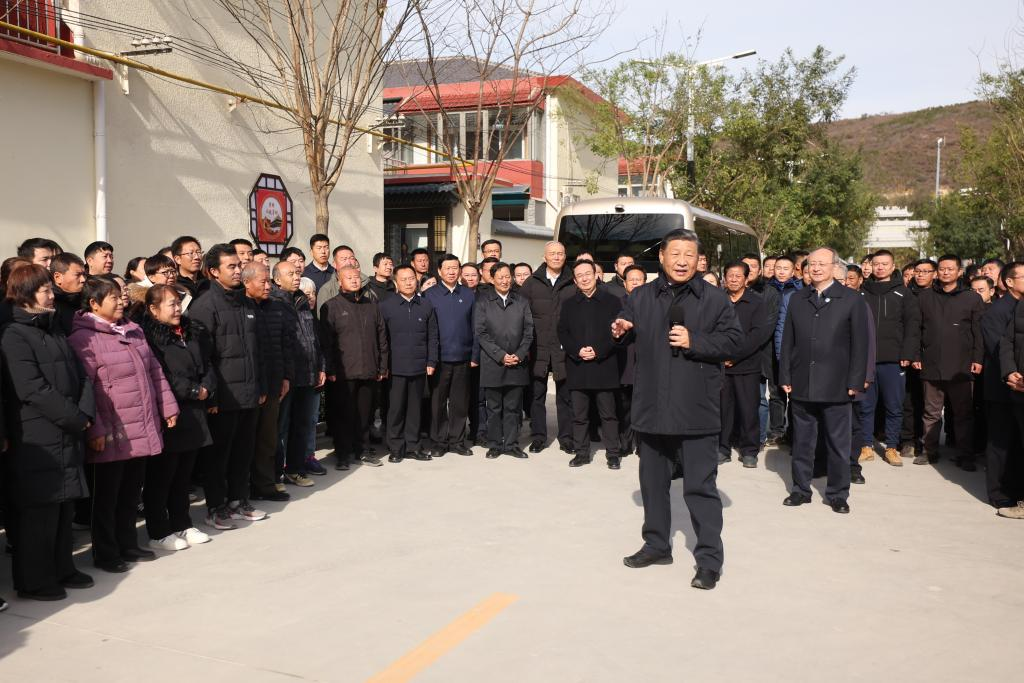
<point>683,329</point>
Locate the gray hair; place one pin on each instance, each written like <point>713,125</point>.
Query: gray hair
<point>835,255</point>
<point>253,269</point>
<point>307,286</point>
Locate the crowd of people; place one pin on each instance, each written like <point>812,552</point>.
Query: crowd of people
<point>200,374</point>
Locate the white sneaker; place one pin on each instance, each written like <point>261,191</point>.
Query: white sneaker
<point>193,536</point>
<point>168,543</point>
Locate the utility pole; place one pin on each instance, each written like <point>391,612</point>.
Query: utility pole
<point>938,165</point>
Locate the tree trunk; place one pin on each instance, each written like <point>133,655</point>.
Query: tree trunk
<point>472,233</point>
<point>322,209</point>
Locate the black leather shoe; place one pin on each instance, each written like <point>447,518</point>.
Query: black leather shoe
<point>272,495</point>
<point>421,455</point>
<point>856,477</point>
<point>967,465</point>
<point>437,453</point>
<point>840,506</point>
<point>566,449</point>
<point>579,461</point>
<point>342,465</point>
<point>138,555</point>
<point>516,452</point>
<point>645,558</point>
<point>492,453</point>
<point>460,450</point>
<point>78,580</point>
<point>794,499</point>
<point>724,458</point>
<point>614,462</point>
<point>749,461</point>
<point>395,458</point>
<point>705,579</point>
<point>536,446</point>
<point>44,594</point>
<point>117,566</point>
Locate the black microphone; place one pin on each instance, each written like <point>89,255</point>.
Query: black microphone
<point>675,317</point>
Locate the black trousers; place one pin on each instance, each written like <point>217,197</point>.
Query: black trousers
<point>116,491</point>
<point>912,429</point>
<point>165,495</point>
<point>835,420</point>
<point>226,462</point>
<point>354,402</point>
<point>563,411</point>
<point>405,395</point>
<point>504,416</point>
<point>263,474</point>
<point>449,405</point>
<point>739,408</point>
<point>42,541</point>
<point>1004,465</point>
<point>477,406</point>
<point>697,459</point>
<point>583,401</point>
<point>856,439</point>
<point>624,411</point>
<point>958,393</point>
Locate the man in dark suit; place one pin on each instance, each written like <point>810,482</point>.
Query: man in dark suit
<point>742,380</point>
<point>591,362</point>
<point>823,364</point>
<point>683,328</point>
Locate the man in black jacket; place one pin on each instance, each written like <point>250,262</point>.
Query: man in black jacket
<point>772,302</point>
<point>413,341</point>
<point>277,341</point>
<point>68,272</point>
<point>683,329</point>
<point>355,344</point>
<point>1003,473</point>
<point>897,343</point>
<point>617,285</point>
<point>592,363</point>
<point>742,379</point>
<point>229,318</point>
<point>545,290</point>
<point>952,351</point>
<point>188,255</point>
<point>381,282</point>
<point>822,366</point>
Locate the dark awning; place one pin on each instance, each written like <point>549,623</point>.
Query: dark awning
<point>414,195</point>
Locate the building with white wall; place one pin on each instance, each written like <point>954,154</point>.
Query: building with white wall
<point>84,159</point>
<point>895,228</point>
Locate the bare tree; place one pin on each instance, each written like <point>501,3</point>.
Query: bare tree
<point>322,63</point>
<point>517,48</point>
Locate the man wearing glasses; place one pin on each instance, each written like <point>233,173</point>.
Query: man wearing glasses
<point>188,255</point>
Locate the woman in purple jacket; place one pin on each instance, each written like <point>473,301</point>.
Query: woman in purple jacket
<point>133,402</point>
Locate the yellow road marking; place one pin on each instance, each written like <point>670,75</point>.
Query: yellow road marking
<point>434,647</point>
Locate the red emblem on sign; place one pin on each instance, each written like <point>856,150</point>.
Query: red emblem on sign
<point>270,214</point>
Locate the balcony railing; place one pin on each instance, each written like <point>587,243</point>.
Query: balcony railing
<point>41,16</point>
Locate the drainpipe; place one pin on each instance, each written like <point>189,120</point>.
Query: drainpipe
<point>99,135</point>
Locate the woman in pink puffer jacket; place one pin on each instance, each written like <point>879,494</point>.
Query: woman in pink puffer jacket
<point>133,402</point>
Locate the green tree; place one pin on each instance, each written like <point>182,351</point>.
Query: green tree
<point>964,224</point>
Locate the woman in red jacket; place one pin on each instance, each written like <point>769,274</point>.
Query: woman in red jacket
<point>133,402</point>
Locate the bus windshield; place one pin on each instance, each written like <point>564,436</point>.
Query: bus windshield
<point>608,235</point>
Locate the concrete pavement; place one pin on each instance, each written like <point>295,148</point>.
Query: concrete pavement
<point>920,582</point>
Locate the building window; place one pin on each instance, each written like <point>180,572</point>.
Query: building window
<point>510,212</point>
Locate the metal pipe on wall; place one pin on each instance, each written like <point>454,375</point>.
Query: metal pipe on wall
<point>99,136</point>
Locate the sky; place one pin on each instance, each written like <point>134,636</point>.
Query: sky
<point>909,54</point>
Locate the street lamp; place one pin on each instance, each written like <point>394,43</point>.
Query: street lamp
<point>938,165</point>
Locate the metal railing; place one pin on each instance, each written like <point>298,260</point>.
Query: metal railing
<point>42,16</point>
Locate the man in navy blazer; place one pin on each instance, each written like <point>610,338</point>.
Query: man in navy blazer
<point>822,365</point>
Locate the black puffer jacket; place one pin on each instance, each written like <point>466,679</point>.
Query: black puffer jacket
<point>65,306</point>
<point>307,359</point>
<point>229,318</point>
<point>897,320</point>
<point>185,359</point>
<point>354,337</point>
<point>585,322</point>
<point>950,333</point>
<point>277,343</point>
<point>545,301</point>
<point>48,402</point>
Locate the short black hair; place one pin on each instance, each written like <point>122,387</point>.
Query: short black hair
<point>1008,270</point>
<point>986,278</point>
<point>213,256</point>
<point>402,266</point>
<point>524,264</point>
<point>258,252</point>
<point>632,268</point>
<point>950,257</point>
<point>380,256</point>
<point>473,266</point>
<point>133,263</point>
<point>498,265</point>
<point>489,242</point>
<point>93,247</point>
<point>342,247</point>
<point>998,262</point>
<point>926,262</point>
<point>180,242</point>
<point>240,242</point>
<point>156,263</point>
<point>738,264</point>
<point>883,252</point>
<point>319,237</point>
<point>27,249</point>
<point>489,259</point>
<point>291,251</point>
<point>583,262</point>
<point>681,234</point>
<point>623,254</point>
<point>909,266</point>
<point>854,268</point>
<point>417,252</point>
<point>801,253</point>
<point>24,282</point>
<point>97,288</point>
<point>785,257</point>
<point>61,262</point>
<point>750,256</point>
<point>448,257</point>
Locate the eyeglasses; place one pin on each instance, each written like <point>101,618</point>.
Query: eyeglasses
<point>167,272</point>
<point>191,254</point>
